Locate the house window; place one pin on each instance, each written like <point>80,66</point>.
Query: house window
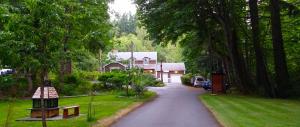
<point>146,60</point>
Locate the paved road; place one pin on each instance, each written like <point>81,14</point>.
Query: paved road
<point>176,106</point>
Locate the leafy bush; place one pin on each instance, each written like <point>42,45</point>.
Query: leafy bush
<point>186,79</point>
<point>139,89</point>
<point>6,82</point>
<point>73,84</point>
<point>150,80</point>
<point>12,86</point>
<point>159,83</point>
<point>72,79</point>
<point>139,86</point>
<point>89,75</point>
<point>114,79</point>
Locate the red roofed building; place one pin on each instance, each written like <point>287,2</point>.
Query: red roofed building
<point>148,62</point>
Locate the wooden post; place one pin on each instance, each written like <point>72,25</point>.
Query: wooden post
<point>100,60</point>
<point>132,61</point>
<point>161,72</point>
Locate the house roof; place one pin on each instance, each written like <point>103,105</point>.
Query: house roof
<point>146,66</point>
<point>114,63</point>
<point>49,93</point>
<point>171,67</point>
<point>136,55</point>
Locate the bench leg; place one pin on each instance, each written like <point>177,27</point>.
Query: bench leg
<point>65,113</point>
<point>76,111</point>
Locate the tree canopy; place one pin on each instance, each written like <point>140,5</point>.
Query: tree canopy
<point>233,37</point>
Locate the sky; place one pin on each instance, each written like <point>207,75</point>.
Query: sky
<point>121,7</point>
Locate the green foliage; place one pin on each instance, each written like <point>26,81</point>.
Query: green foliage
<point>12,87</point>
<point>91,110</point>
<point>89,75</point>
<point>139,81</point>
<point>139,88</point>
<point>120,79</point>
<point>186,79</point>
<point>84,60</point>
<point>142,43</point>
<point>114,79</point>
<point>216,36</point>
<point>38,35</point>
<point>150,80</point>
<point>74,84</point>
<point>6,82</point>
<point>125,24</point>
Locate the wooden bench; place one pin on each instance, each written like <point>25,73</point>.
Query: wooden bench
<point>66,111</point>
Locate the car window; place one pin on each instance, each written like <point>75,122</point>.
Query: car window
<point>199,79</point>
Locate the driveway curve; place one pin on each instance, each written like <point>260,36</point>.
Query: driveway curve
<point>176,106</point>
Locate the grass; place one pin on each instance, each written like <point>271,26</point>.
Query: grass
<point>105,105</point>
<point>243,111</point>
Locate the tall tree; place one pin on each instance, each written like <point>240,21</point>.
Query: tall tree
<point>281,70</point>
<point>261,70</point>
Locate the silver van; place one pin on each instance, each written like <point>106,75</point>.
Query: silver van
<point>198,81</point>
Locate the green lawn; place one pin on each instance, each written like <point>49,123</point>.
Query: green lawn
<point>105,105</point>
<point>242,111</point>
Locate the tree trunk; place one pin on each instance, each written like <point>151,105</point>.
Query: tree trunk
<point>239,62</point>
<point>68,67</point>
<point>243,79</point>
<point>282,76</point>
<point>67,62</point>
<point>227,71</point>
<point>30,82</point>
<point>261,71</point>
<point>43,75</point>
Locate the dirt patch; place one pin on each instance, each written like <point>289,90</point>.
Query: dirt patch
<point>108,121</point>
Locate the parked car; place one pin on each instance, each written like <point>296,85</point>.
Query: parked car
<point>6,71</point>
<point>198,81</point>
<point>206,85</point>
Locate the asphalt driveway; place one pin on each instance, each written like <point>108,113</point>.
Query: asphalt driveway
<point>176,106</point>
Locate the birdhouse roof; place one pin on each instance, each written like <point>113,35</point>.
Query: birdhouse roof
<point>49,93</point>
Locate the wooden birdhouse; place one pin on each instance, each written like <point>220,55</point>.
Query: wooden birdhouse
<point>50,103</point>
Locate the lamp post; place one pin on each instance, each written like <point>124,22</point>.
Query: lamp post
<point>161,72</point>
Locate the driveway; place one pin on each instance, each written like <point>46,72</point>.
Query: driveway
<point>176,106</point>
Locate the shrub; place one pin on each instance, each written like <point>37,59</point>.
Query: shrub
<point>159,83</point>
<point>89,75</point>
<point>71,79</point>
<point>150,80</point>
<point>186,79</point>
<point>12,86</point>
<point>6,82</point>
<point>73,84</point>
<point>139,86</point>
<point>140,81</point>
<point>114,79</point>
<point>139,89</point>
